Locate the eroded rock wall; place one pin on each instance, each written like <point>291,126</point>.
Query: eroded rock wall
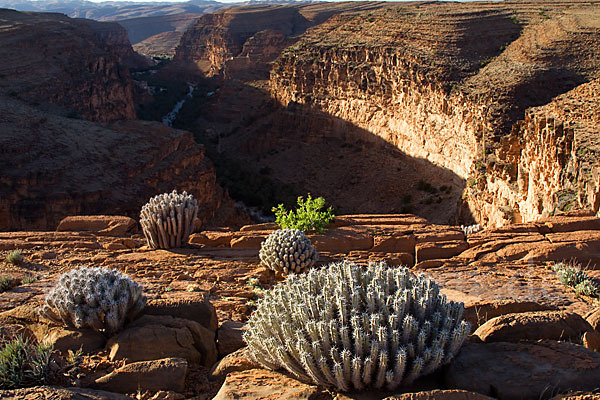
<point>60,167</point>
<point>462,89</point>
<point>78,66</point>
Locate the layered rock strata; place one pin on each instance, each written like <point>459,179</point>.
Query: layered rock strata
<point>55,166</point>
<point>78,66</point>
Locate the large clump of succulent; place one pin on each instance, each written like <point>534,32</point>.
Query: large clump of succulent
<point>352,327</point>
<point>168,219</point>
<point>96,298</point>
<point>288,250</point>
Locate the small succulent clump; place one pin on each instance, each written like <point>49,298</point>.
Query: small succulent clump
<point>24,364</point>
<point>168,219</point>
<point>572,275</point>
<point>97,298</point>
<point>354,328</point>
<point>288,250</point>
<point>15,258</point>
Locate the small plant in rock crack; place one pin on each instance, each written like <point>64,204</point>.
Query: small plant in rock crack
<point>571,274</point>
<point>308,217</point>
<point>15,258</point>
<point>5,283</point>
<point>24,364</point>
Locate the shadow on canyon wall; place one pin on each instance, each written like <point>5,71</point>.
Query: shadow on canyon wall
<point>265,154</point>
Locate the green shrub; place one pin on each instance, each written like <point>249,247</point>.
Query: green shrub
<point>6,283</point>
<point>308,217</point>
<point>24,364</point>
<point>354,328</point>
<point>15,258</point>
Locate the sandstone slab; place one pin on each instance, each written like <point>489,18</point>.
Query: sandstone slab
<point>439,250</point>
<point>192,306</point>
<point>255,384</point>
<point>164,374</point>
<point>523,371</point>
<point>248,241</point>
<point>239,360</point>
<point>155,337</point>
<point>212,238</point>
<point>105,225</point>
<point>553,325</point>
<point>344,239</point>
<point>593,317</point>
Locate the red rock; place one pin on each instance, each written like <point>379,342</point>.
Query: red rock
<point>249,241</point>
<point>64,339</point>
<point>229,337</point>
<point>105,225</point>
<point>267,226</point>
<point>344,239</point>
<point>591,340</point>
<point>439,250</point>
<point>212,238</point>
<point>593,317</point>
<point>153,375</point>
<point>394,244</point>
<point>440,395</point>
<point>571,224</point>
<point>192,306</point>
<point>255,384</point>
<point>239,360</point>
<point>554,325</point>
<point>152,337</point>
<point>405,259</point>
<point>516,371</point>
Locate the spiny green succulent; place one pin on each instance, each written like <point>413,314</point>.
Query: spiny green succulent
<point>97,298</point>
<point>353,328</point>
<point>288,250</point>
<point>571,274</point>
<point>24,364</point>
<point>168,219</point>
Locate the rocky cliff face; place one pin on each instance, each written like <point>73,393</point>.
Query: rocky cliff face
<point>60,167</point>
<point>244,39</point>
<point>449,84</point>
<point>548,164</point>
<point>76,65</point>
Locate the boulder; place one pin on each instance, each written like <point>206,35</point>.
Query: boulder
<point>479,311</point>
<point>251,240</point>
<point>230,337</point>
<point>591,340</point>
<point>553,325</point>
<point>524,371</point>
<point>212,238</point>
<point>593,317</point>
<point>255,384</point>
<point>342,240</point>
<point>192,306</point>
<point>164,374</point>
<point>154,337</point>
<point>103,225</point>
<point>439,250</point>
<point>239,360</point>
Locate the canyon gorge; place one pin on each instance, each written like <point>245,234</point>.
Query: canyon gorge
<point>460,113</point>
